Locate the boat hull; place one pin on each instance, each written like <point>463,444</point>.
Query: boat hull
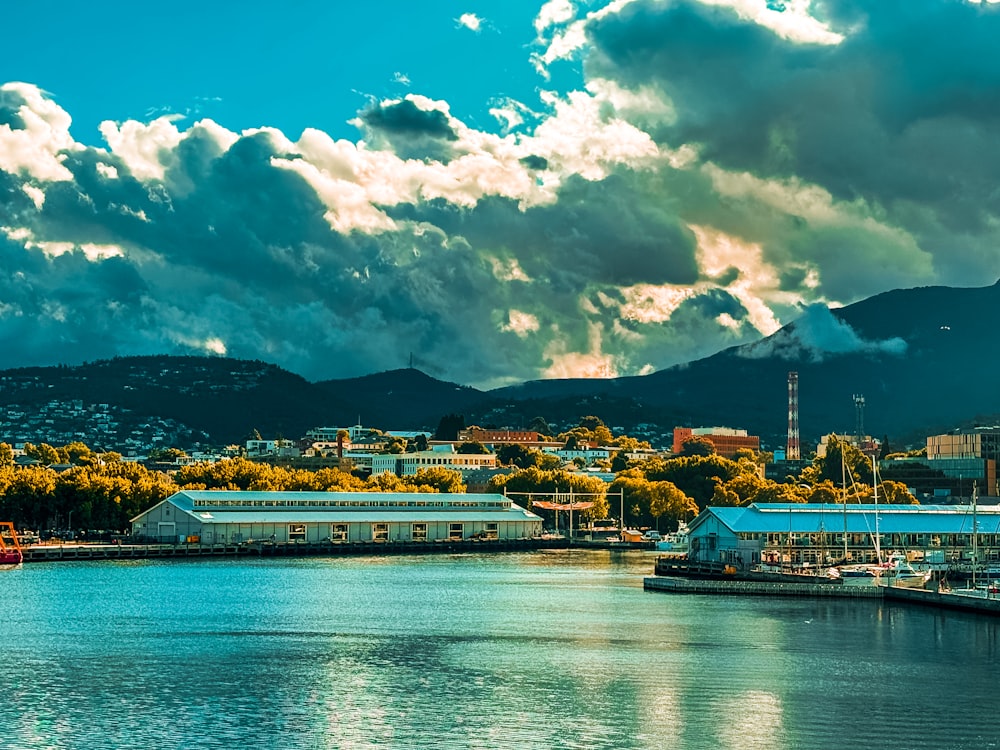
<point>11,557</point>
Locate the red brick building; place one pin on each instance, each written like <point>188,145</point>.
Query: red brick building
<point>725,439</point>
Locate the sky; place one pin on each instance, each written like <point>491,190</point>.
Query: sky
<point>499,191</point>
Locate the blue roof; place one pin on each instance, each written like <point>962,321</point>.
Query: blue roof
<point>892,519</point>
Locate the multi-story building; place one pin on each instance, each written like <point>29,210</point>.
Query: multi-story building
<point>727,441</point>
<point>497,437</point>
<point>408,464</point>
<point>979,442</point>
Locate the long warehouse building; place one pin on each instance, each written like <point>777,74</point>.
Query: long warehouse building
<point>222,516</point>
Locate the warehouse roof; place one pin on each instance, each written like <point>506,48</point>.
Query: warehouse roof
<point>805,518</point>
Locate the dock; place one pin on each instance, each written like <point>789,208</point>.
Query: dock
<point>79,552</point>
<point>678,585</point>
<point>944,599</point>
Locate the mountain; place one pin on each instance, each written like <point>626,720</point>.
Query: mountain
<point>923,359</point>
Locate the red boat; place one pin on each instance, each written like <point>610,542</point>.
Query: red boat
<point>10,547</point>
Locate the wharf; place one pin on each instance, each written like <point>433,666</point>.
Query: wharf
<point>679,585</point>
<point>70,552</point>
<point>941,599</point>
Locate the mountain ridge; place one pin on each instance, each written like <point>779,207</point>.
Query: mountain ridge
<point>920,357</point>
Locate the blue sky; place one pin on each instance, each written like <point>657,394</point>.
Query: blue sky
<point>251,64</point>
<point>506,191</point>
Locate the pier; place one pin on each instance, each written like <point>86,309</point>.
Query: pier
<point>944,599</point>
<point>679,585</point>
<point>68,552</point>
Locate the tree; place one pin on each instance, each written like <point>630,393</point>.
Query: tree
<point>515,454</point>
<point>440,479</point>
<point>471,447</point>
<point>539,425</point>
<point>697,445</point>
<point>449,427</point>
<point>6,455</point>
<point>895,493</point>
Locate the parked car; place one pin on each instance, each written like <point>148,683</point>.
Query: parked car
<point>651,536</point>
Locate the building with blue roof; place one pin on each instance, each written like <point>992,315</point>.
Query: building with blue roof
<point>819,534</point>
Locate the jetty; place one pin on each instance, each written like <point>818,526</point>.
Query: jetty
<point>942,599</point>
<point>70,552</point>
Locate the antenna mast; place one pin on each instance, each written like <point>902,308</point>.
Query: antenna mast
<point>792,452</point>
<point>859,406</point>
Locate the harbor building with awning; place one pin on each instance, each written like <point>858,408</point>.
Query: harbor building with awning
<point>234,517</point>
<point>820,534</point>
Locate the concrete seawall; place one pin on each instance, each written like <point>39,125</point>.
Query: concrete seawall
<point>890,594</point>
<point>67,552</point>
<point>758,588</point>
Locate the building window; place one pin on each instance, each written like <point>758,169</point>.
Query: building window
<point>296,532</point>
<point>418,532</point>
<point>456,531</point>
<point>492,530</point>
<point>380,532</point>
<point>338,532</point>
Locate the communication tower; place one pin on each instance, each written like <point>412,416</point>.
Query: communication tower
<point>859,407</point>
<point>792,452</point>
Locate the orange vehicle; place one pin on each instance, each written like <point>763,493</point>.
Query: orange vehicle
<point>10,547</point>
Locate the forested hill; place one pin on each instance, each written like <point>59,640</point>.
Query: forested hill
<point>229,398</point>
<point>923,359</point>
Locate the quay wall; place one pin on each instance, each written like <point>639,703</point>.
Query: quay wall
<point>55,553</point>
<point>759,588</point>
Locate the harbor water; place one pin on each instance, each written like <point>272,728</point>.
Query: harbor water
<point>534,650</point>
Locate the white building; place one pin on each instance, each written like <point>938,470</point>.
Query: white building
<point>443,456</point>
<point>217,516</point>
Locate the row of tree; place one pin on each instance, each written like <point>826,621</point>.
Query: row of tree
<point>104,492</point>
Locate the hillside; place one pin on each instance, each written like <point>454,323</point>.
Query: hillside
<point>921,358</point>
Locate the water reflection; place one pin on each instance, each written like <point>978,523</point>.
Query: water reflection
<point>550,650</point>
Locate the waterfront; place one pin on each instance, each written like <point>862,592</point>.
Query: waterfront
<point>548,649</point>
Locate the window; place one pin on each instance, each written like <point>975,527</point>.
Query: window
<point>380,532</point>
<point>296,532</point>
<point>338,532</point>
<point>456,531</point>
<point>492,530</point>
<point>418,532</point>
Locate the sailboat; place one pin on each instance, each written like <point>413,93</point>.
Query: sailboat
<point>973,589</point>
<point>895,570</point>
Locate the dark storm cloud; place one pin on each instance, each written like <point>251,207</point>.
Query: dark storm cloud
<point>535,162</point>
<point>605,232</point>
<point>410,131</point>
<point>902,114</point>
<point>10,104</point>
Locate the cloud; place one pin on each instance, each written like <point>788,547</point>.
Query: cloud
<point>470,21</point>
<point>817,335</point>
<point>726,168</point>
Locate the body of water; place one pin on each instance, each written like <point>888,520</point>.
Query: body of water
<point>554,649</point>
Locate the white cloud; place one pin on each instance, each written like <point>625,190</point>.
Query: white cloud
<point>792,21</point>
<point>470,21</point>
<point>38,147</point>
<point>553,13</point>
<point>520,323</point>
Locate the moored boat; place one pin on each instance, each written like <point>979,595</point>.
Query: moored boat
<point>10,547</point>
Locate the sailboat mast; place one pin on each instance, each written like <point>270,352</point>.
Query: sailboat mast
<point>975,533</point>
<point>878,538</point>
<point>843,489</point>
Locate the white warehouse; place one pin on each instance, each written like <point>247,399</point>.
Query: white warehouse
<point>230,517</point>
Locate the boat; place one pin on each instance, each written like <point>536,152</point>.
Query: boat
<point>10,547</point>
<point>895,570</point>
<point>676,541</point>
